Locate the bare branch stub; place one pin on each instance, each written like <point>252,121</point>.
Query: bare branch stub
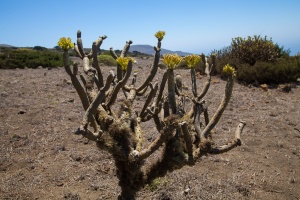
<point>182,136</point>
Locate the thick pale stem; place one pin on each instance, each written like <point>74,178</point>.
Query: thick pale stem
<point>163,137</point>
<point>149,98</point>
<point>126,49</point>
<point>236,142</point>
<point>197,112</point>
<point>206,117</point>
<point>96,65</point>
<point>86,64</point>
<point>157,122</point>
<point>79,43</point>
<point>113,53</point>
<point>120,84</point>
<point>80,91</point>
<point>132,95</point>
<point>77,85</point>
<point>171,90</point>
<point>76,49</point>
<point>153,70</point>
<point>205,88</point>
<point>188,140</point>
<point>67,62</point>
<point>194,82</point>
<point>138,134</point>
<point>88,134</point>
<point>161,89</point>
<point>215,119</point>
<point>97,43</point>
<point>166,108</point>
<point>97,101</point>
<point>178,85</point>
<point>159,44</point>
<point>119,73</point>
<point>142,92</point>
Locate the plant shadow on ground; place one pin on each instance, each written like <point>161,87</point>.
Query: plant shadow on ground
<point>41,158</point>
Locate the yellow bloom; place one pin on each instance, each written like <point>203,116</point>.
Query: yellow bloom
<point>171,60</point>
<point>160,35</point>
<point>132,59</point>
<point>192,60</point>
<point>65,43</point>
<point>228,70</point>
<point>123,62</point>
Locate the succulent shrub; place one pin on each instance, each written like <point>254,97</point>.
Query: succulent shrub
<point>113,121</point>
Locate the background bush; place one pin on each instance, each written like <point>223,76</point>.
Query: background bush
<point>107,60</point>
<point>254,49</point>
<point>29,58</point>
<point>258,59</point>
<point>280,71</point>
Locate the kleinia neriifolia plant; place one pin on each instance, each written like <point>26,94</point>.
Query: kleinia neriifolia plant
<point>113,122</point>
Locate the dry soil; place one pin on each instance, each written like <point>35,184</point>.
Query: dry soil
<point>41,158</point>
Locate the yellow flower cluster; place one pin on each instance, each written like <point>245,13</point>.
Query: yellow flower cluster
<point>192,60</point>
<point>171,60</point>
<point>123,62</point>
<point>65,43</point>
<point>160,35</point>
<point>228,70</point>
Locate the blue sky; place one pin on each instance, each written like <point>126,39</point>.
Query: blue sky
<point>193,26</point>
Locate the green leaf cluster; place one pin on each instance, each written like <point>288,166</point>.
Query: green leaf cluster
<point>29,58</point>
<point>258,59</point>
<point>107,60</point>
<point>252,49</point>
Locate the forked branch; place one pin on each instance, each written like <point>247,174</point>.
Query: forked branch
<point>181,137</point>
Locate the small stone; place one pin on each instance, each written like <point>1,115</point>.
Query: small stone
<point>21,112</point>
<point>186,191</point>
<point>59,184</point>
<point>285,88</point>
<point>272,114</point>
<point>70,100</point>
<point>67,81</point>
<point>292,180</point>
<point>4,94</point>
<point>264,87</point>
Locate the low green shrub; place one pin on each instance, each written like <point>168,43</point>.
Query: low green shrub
<point>29,58</point>
<point>281,71</point>
<point>254,49</point>
<point>107,60</point>
<point>258,59</point>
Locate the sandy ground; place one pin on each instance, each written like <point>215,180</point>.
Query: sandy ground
<point>41,158</point>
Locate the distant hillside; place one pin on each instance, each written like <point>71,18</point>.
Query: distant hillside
<point>6,45</point>
<point>147,49</point>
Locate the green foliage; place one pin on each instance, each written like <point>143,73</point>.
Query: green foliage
<point>258,59</point>
<point>280,71</point>
<point>39,48</point>
<point>29,58</point>
<point>105,52</point>
<point>254,49</point>
<point>107,60</point>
